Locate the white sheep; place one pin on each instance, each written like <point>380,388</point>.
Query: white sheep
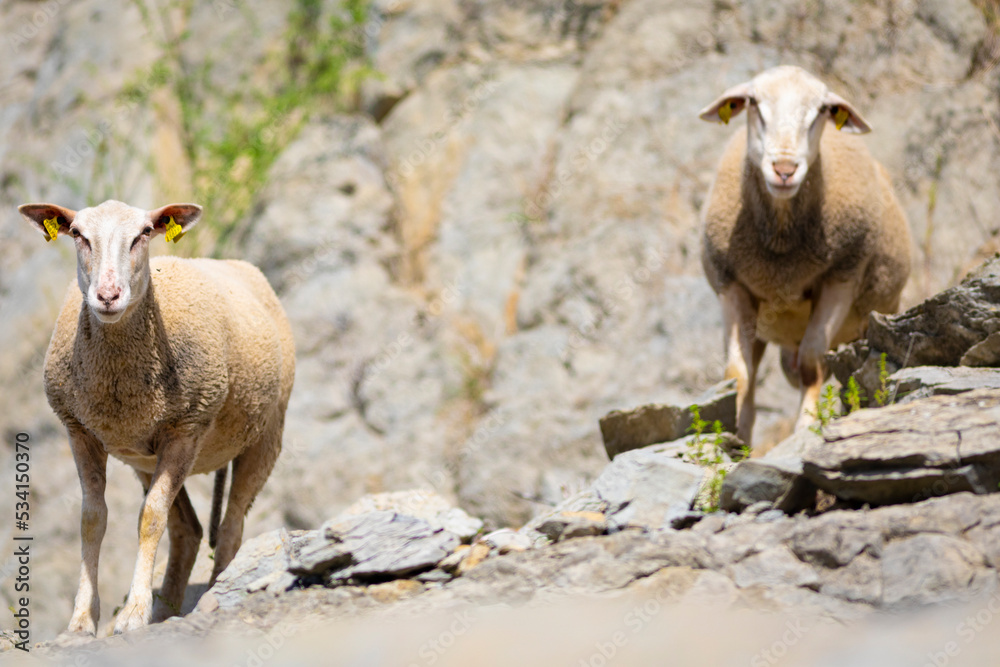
<point>803,236</point>
<point>174,366</point>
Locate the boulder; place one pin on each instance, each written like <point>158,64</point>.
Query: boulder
<point>623,431</point>
<point>566,525</point>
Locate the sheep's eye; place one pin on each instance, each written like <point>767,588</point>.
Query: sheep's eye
<point>74,231</point>
<point>147,231</point>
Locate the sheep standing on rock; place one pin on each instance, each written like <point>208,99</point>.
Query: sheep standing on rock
<point>803,236</point>
<point>174,366</point>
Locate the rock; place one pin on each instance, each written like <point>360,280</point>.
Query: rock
<point>644,488</point>
<point>929,569</point>
<point>421,504</point>
<point>392,591</point>
<point>776,477</point>
<point>465,558</point>
<point>435,576</point>
<point>473,556</point>
<point>860,580</point>
<point>777,482</point>
<point>771,515</point>
<point>904,453</point>
<point>910,384</point>
<point>374,545</point>
<point>834,539</point>
<point>773,567</point>
<point>943,329</point>
<point>652,424</point>
<point>506,540</point>
<point>957,327</point>
<point>566,525</point>
<point>264,556</point>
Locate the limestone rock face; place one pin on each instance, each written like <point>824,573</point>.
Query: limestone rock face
<point>493,247</point>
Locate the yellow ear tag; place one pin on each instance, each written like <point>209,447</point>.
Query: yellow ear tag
<point>841,117</point>
<point>174,231</point>
<point>726,111</point>
<point>51,228</point>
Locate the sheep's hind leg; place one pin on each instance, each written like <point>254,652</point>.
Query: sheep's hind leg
<point>831,311</point>
<point>185,538</point>
<point>790,366</point>
<point>250,471</point>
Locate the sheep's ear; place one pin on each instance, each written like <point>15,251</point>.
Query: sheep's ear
<point>845,116</point>
<point>732,102</point>
<point>174,219</point>
<point>50,219</point>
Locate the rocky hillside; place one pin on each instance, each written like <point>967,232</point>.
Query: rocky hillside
<point>481,217</point>
<point>884,521</point>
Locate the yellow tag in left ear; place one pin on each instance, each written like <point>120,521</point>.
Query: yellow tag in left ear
<point>174,231</point>
<point>840,118</point>
<point>51,228</point>
<point>726,112</point>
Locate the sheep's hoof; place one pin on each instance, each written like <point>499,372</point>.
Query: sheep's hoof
<point>82,624</point>
<point>133,615</point>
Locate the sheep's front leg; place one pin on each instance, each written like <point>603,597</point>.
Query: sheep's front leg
<point>91,466</point>
<point>176,459</point>
<point>743,352</point>
<point>831,310</point>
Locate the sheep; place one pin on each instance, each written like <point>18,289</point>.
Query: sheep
<point>173,366</point>
<point>802,234</point>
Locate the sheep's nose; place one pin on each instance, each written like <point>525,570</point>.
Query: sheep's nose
<point>108,295</point>
<point>785,169</point>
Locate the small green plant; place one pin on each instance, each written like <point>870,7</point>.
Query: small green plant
<point>708,452</point>
<point>854,396</point>
<point>826,409</point>
<point>231,136</point>
<point>882,393</point>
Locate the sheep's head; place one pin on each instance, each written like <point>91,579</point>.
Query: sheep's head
<point>787,110</point>
<point>112,247</point>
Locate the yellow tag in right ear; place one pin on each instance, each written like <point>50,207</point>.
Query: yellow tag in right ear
<point>174,231</point>
<point>840,118</point>
<point>51,228</point>
<point>726,112</point>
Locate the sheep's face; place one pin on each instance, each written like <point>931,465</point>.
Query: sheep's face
<point>787,111</point>
<point>112,247</point>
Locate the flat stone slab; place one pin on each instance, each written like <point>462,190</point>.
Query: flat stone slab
<point>623,431</point>
<point>375,545</point>
<point>910,384</point>
<point>421,504</point>
<point>909,452</point>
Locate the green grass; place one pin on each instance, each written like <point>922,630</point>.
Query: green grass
<point>232,137</point>
<point>706,449</point>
